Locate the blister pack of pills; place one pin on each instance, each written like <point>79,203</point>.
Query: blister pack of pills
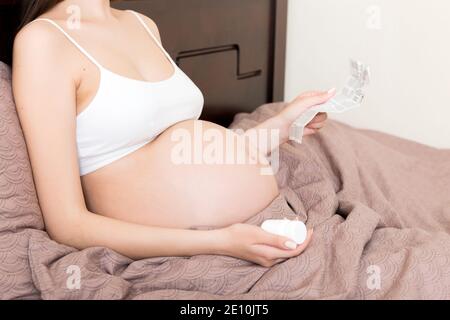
<point>350,97</point>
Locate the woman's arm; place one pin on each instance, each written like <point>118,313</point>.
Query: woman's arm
<point>45,94</point>
<point>45,79</point>
<point>283,121</point>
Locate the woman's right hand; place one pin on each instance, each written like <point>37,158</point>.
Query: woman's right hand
<point>254,244</point>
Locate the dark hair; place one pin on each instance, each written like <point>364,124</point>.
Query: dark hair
<point>31,9</point>
<point>14,16</point>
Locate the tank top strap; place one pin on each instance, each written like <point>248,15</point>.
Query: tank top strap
<point>139,18</point>
<point>91,58</point>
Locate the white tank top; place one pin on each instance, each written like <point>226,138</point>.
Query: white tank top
<point>126,114</point>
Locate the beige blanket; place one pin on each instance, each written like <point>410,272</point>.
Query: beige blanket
<point>380,207</point>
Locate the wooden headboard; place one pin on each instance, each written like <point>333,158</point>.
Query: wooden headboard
<point>234,50</point>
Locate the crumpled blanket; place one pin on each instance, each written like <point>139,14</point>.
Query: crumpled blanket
<point>379,206</point>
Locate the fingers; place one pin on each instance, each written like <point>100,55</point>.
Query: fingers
<point>320,117</point>
<point>272,253</point>
<point>311,99</point>
<point>280,242</point>
<point>300,248</point>
<point>317,125</point>
<point>304,102</point>
<point>310,94</point>
<point>268,249</point>
<point>307,241</point>
<point>275,248</point>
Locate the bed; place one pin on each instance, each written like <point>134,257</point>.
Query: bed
<point>379,205</point>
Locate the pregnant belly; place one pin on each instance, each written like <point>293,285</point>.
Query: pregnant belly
<point>182,179</point>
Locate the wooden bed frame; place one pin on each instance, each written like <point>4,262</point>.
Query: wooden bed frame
<point>234,50</point>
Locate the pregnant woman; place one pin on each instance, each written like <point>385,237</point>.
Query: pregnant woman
<point>100,100</point>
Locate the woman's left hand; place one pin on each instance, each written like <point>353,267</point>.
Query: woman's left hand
<point>316,124</point>
<point>300,105</point>
<point>283,120</point>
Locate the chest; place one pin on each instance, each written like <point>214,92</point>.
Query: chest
<point>126,111</point>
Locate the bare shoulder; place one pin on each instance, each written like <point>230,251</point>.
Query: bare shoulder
<point>40,41</point>
<point>39,49</point>
<point>34,35</point>
<point>147,20</point>
<point>151,24</point>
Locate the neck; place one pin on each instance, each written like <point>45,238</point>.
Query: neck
<point>90,9</point>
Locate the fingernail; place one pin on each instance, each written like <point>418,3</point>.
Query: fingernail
<point>291,245</point>
<point>333,90</point>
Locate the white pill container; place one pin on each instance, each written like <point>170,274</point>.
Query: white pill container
<point>292,229</point>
